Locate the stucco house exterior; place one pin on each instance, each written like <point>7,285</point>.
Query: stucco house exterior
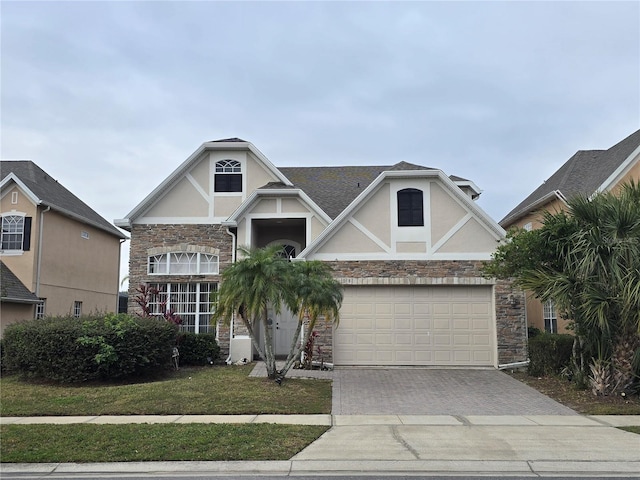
<point>406,241</point>
<point>57,255</point>
<point>585,173</point>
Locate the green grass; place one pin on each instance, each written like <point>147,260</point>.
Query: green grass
<point>631,429</point>
<point>189,391</point>
<point>81,443</point>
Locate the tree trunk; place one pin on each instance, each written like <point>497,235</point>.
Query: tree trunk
<point>269,358</point>
<point>293,351</point>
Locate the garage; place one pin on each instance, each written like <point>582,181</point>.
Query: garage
<point>416,325</point>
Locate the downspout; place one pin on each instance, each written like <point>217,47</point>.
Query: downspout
<point>39,261</point>
<point>233,260</point>
<point>117,310</point>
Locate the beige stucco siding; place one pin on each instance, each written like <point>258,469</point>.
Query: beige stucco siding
<point>265,205</point>
<point>183,200</point>
<point>225,206</point>
<point>317,227</point>
<point>257,175</point>
<point>445,212</point>
<point>293,205</point>
<point>350,239</point>
<point>201,173</point>
<point>471,237</point>
<point>535,217</point>
<point>77,269</point>
<point>14,312</point>
<point>376,216</point>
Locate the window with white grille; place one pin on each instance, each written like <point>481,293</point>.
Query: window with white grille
<point>192,302</point>
<point>12,232</point>
<point>550,317</point>
<point>183,263</point>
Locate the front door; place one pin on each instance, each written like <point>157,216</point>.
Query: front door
<point>284,328</point>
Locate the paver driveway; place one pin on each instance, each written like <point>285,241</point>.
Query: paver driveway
<point>426,391</point>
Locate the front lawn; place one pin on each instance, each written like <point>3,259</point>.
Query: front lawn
<point>189,391</point>
<point>81,443</point>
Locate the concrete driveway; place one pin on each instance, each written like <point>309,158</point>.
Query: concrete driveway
<point>426,391</point>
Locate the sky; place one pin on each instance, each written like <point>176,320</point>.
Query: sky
<point>109,98</point>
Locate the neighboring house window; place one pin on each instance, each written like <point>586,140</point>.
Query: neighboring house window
<point>40,309</point>
<point>77,309</point>
<point>528,226</point>
<point>550,317</point>
<point>228,176</point>
<point>410,210</point>
<point>181,263</point>
<point>192,302</point>
<point>16,232</point>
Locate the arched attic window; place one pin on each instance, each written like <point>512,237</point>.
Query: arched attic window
<point>228,176</point>
<point>410,208</point>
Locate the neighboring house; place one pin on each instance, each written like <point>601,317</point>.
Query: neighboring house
<point>586,173</point>
<point>406,241</point>
<point>54,246</point>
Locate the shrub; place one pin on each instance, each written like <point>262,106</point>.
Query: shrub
<point>197,348</point>
<point>549,353</point>
<point>533,332</point>
<point>89,348</point>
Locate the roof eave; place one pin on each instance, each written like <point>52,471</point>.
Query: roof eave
<point>532,207</point>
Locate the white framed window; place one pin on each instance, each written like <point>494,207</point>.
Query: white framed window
<point>77,309</point>
<point>228,176</point>
<point>192,302</point>
<point>550,317</point>
<point>12,232</point>
<point>183,263</point>
<point>528,226</point>
<point>84,234</point>
<point>41,309</point>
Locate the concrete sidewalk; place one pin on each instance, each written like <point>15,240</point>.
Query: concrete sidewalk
<point>531,445</point>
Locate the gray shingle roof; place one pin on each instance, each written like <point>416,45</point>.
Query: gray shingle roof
<point>334,188</point>
<point>53,194</point>
<point>582,174</point>
<point>12,289</point>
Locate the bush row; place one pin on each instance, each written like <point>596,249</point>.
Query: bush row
<point>197,348</point>
<point>549,353</point>
<point>89,348</point>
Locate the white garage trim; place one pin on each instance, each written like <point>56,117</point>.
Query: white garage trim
<point>416,325</point>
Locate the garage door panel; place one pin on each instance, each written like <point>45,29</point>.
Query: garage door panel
<point>419,325</point>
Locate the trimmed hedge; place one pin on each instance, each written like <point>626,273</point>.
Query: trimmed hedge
<point>72,350</point>
<point>549,353</point>
<point>197,348</point>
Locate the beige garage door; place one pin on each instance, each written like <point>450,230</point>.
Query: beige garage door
<point>415,326</point>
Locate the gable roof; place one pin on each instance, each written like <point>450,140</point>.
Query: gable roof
<point>45,190</point>
<point>447,182</point>
<point>585,173</point>
<point>12,289</point>
<point>334,188</point>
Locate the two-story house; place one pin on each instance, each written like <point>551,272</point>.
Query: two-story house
<point>58,256</point>
<point>585,173</point>
<point>406,241</point>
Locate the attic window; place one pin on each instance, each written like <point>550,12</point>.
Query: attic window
<point>410,210</point>
<point>228,176</point>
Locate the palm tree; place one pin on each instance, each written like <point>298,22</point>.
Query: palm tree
<point>317,294</point>
<point>264,278</point>
<point>595,278</point>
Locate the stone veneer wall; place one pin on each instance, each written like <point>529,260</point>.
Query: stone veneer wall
<point>154,238</point>
<point>511,327</point>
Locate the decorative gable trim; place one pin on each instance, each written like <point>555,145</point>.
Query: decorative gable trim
<point>248,204</point>
<point>27,192</point>
<point>446,182</point>
<point>183,169</point>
